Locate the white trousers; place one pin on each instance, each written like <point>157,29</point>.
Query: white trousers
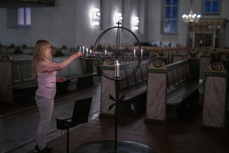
<point>45,106</point>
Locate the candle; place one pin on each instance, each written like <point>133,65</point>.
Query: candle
<point>134,52</point>
<point>86,51</point>
<point>117,69</point>
<point>105,52</point>
<point>83,49</point>
<point>141,53</point>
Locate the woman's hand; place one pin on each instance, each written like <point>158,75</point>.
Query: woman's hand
<point>78,54</point>
<point>60,79</point>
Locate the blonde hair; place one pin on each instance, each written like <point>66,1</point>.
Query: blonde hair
<point>39,54</point>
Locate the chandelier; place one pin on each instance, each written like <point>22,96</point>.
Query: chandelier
<point>191,17</point>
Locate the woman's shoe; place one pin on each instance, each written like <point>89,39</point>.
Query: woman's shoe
<point>45,150</point>
<point>36,149</point>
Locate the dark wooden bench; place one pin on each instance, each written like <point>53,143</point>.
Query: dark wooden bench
<point>134,88</point>
<point>79,71</point>
<point>180,82</point>
<point>179,56</point>
<point>170,85</point>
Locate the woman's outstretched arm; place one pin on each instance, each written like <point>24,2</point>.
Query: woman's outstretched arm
<point>50,66</point>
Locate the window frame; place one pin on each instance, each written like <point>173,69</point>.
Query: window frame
<point>25,17</point>
<point>13,16</point>
<point>164,18</point>
<point>211,13</point>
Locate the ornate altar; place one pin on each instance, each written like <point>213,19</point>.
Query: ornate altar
<point>208,32</point>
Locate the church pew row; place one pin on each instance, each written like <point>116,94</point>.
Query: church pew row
<point>18,76</point>
<point>170,85</point>
<point>177,83</point>
<point>134,88</point>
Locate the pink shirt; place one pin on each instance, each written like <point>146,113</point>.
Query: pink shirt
<point>46,84</point>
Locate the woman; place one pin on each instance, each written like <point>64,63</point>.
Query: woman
<point>44,70</point>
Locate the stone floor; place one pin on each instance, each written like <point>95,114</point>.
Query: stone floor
<point>179,135</point>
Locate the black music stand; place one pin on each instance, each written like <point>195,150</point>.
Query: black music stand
<point>80,115</point>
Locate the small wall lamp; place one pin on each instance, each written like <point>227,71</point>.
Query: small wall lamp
<point>96,16</point>
<point>118,17</point>
<point>135,23</point>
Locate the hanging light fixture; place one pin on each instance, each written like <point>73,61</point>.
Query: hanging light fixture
<point>191,17</point>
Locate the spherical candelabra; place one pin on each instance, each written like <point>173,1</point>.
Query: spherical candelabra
<point>114,57</point>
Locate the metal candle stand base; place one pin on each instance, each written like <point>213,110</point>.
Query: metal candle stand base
<point>106,146</point>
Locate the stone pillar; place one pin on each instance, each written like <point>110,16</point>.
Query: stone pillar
<point>215,97</point>
<point>156,92</point>
<point>107,88</point>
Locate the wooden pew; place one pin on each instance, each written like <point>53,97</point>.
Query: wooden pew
<point>134,88</point>
<point>19,73</point>
<point>163,57</point>
<point>170,85</point>
<point>81,69</point>
<point>178,55</point>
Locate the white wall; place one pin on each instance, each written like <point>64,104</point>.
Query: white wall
<point>69,23</point>
<point>55,24</point>
<point>154,17</point>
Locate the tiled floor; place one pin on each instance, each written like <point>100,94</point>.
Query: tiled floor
<point>179,135</point>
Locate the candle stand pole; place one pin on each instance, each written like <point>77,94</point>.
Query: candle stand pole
<point>116,104</point>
